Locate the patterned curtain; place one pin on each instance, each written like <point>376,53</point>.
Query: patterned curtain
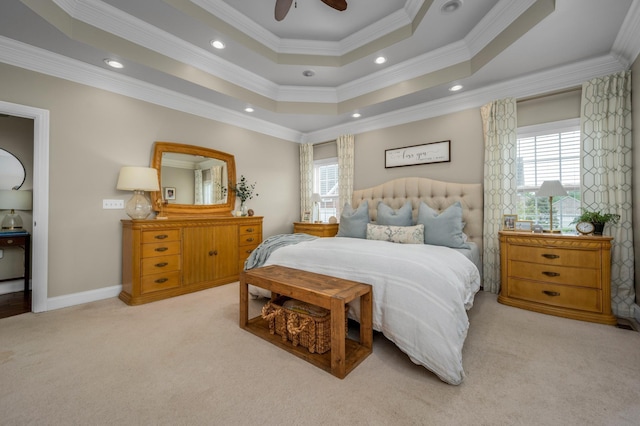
<point>499,125</point>
<point>306,178</point>
<point>197,193</point>
<point>606,174</point>
<point>216,184</point>
<point>345,170</point>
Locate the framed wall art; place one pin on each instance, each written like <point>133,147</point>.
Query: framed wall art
<point>434,152</point>
<point>169,193</point>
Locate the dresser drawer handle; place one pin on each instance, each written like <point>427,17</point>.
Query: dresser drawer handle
<point>551,274</point>
<point>551,293</point>
<point>162,280</point>
<point>249,251</point>
<point>161,237</point>
<point>550,256</point>
<point>249,240</point>
<point>162,249</point>
<point>161,264</point>
<point>213,253</point>
<point>249,229</point>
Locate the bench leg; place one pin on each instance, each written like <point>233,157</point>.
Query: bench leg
<point>337,338</point>
<point>244,301</point>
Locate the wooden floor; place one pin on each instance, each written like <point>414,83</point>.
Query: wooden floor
<point>14,304</point>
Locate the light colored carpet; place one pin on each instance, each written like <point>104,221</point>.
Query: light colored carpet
<point>185,361</point>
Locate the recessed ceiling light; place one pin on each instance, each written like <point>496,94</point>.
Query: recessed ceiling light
<point>217,44</point>
<point>248,109</point>
<point>356,115</point>
<point>113,63</point>
<point>380,60</point>
<point>456,87</point>
<point>451,6</point>
<point>308,73</point>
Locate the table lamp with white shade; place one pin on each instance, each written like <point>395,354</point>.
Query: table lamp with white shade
<point>551,188</point>
<point>12,199</point>
<point>138,180</point>
<point>316,200</point>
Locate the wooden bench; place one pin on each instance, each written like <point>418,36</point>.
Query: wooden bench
<point>321,290</point>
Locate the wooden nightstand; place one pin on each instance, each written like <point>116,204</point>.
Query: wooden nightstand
<point>563,275</point>
<point>317,229</point>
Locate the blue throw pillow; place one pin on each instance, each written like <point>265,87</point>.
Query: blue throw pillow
<point>353,223</point>
<point>388,216</point>
<point>444,229</point>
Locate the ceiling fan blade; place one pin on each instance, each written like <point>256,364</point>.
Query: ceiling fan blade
<point>336,4</point>
<point>282,8</point>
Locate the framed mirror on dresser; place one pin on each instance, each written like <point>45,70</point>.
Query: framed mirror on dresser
<point>195,242</point>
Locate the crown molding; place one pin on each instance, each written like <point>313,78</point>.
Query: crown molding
<point>627,45</point>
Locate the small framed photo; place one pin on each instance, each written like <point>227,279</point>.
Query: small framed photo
<point>524,225</point>
<point>307,216</point>
<point>509,222</point>
<point>169,193</point>
<point>537,229</point>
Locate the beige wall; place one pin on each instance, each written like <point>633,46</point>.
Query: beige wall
<point>93,133</point>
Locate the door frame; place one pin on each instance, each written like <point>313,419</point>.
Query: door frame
<point>40,237</point>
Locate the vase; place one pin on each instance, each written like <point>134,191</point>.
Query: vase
<point>598,228</point>
<point>243,208</point>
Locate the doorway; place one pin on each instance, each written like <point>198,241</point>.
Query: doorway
<point>40,235</point>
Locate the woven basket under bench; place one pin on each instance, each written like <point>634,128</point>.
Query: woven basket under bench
<point>301,323</point>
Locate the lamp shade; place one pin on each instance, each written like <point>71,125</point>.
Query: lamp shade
<point>138,178</point>
<point>315,198</point>
<point>15,200</point>
<point>551,188</point>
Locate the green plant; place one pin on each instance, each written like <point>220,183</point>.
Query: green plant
<point>244,190</point>
<point>597,217</point>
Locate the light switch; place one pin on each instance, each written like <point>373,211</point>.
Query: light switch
<point>113,204</point>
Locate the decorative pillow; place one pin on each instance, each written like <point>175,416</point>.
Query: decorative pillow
<point>396,234</point>
<point>353,223</point>
<point>389,216</point>
<point>444,229</point>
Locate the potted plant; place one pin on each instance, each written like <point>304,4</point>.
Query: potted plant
<point>598,219</point>
<point>244,191</point>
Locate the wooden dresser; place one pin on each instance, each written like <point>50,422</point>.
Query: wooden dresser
<point>563,275</point>
<point>317,229</point>
<point>166,258</point>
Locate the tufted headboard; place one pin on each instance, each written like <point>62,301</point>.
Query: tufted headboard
<point>436,194</point>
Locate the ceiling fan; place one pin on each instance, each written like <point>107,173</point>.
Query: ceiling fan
<point>283,6</point>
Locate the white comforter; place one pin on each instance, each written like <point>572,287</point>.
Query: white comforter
<point>420,293</point>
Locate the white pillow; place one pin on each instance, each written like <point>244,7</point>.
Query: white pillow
<point>396,234</point>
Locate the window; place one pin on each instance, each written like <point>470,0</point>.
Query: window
<point>549,151</point>
<point>325,183</point>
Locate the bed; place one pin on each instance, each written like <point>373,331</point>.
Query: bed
<point>420,251</point>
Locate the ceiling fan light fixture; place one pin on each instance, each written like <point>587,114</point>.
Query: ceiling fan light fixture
<point>113,63</point>
<point>451,6</point>
<point>380,60</point>
<point>217,44</point>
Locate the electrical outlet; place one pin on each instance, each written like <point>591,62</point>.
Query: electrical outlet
<point>113,204</point>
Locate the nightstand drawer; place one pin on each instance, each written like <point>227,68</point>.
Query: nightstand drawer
<point>157,282</point>
<point>583,277</point>
<point>160,264</point>
<point>555,256</point>
<point>584,299</point>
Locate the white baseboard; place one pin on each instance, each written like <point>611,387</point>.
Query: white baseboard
<point>83,297</point>
<point>12,286</point>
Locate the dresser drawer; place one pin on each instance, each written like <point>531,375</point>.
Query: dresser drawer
<point>251,239</point>
<point>585,299</point>
<point>160,235</point>
<point>160,264</point>
<point>584,277</point>
<point>249,229</point>
<point>157,282</point>
<point>555,256</point>
<point>161,249</point>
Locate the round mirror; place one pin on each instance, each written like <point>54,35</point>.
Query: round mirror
<point>12,171</point>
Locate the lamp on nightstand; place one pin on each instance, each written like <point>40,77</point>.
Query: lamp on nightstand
<point>13,199</point>
<point>316,199</point>
<point>138,180</point>
<point>551,188</point>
